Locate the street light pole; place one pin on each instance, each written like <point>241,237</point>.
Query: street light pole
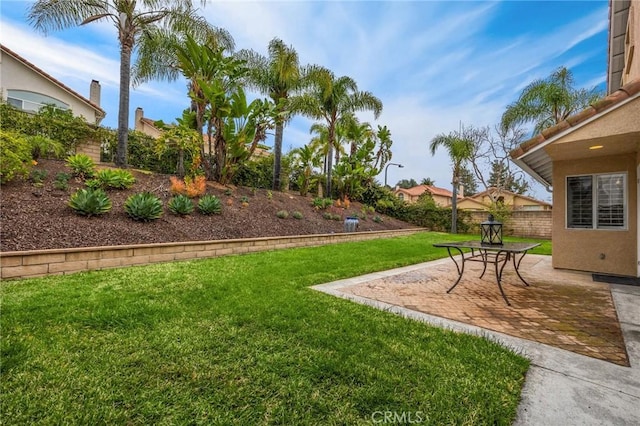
<point>387,168</point>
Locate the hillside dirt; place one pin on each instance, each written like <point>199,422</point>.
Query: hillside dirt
<point>34,217</point>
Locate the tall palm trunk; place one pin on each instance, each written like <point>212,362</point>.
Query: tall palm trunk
<point>332,137</point>
<point>277,156</point>
<point>123,107</point>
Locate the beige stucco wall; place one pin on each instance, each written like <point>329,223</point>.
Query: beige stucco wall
<point>16,76</point>
<point>582,249</point>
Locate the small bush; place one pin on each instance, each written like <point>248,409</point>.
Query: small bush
<point>42,146</point>
<point>115,178</point>
<point>244,199</point>
<point>228,192</point>
<point>38,176</point>
<point>378,219</point>
<point>177,186</point>
<point>81,165</point>
<point>143,207</point>
<point>322,203</point>
<point>297,215</point>
<point>93,184</point>
<point>181,205</point>
<point>15,156</point>
<point>269,195</point>
<point>282,214</point>
<point>61,181</point>
<point>209,204</point>
<point>191,187</point>
<point>90,202</point>
<point>331,216</point>
<point>196,186</point>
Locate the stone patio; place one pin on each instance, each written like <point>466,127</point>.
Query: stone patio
<point>560,308</point>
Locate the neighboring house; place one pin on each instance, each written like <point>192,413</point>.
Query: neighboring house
<point>145,125</point>
<point>483,200</point>
<point>148,127</point>
<point>592,160</point>
<point>27,87</point>
<point>441,196</point>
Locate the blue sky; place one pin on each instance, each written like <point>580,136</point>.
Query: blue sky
<point>433,64</point>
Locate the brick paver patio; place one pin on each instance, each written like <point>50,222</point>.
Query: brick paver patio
<point>561,308</point>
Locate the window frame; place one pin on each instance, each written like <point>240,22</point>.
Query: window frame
<point>594,202</point>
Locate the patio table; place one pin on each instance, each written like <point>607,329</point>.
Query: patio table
<point>499,255</point>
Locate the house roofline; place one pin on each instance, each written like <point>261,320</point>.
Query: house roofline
<point>53,80</point>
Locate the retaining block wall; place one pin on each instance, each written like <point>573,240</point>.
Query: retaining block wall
<point>38,263</point>
<point>532,224</point>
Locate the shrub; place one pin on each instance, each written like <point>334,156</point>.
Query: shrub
<point>15,156</point>
<point>61,181</point>
<point>81,165</point>
<point>244,199</point>
<point>282,214</point>
<point>191,187</point>
<point>297,215</point>
<point>115,178</point>
<point>196,186</point>
<point>378,219</point>
<point>93,183</point>
<point>177,186</point>
<point>90,202</point>
<point>269,195</point>
<point>210,204</point>
<point>42,146</point>
<point>322,203</point>
<point>181,205</point>
<point>143,207</point>
<point>38,176</point>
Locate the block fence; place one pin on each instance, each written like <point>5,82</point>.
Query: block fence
<point>532,224</point>
<point>38,263</point>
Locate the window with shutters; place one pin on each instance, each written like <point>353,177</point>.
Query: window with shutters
<point>597,201</point>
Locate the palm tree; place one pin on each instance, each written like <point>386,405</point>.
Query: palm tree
<point>196,55</point>
<point>330,98</point>
<point>460,150</point>
<point>278,76</point>
<point>131,19</point>
<point>548,102</point>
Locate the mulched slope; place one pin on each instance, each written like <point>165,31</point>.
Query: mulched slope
<point>34,218</point>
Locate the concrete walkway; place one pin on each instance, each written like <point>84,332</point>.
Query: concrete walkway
<point>562,387</point>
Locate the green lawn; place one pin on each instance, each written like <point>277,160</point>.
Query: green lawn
<point>242,340</point>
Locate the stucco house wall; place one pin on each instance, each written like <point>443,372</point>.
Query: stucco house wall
<point>595,250</point>
<point>17,75</point>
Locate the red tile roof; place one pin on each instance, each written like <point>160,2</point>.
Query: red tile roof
<point>421,189</point>
<point>599,107</point>
<point>51,79</point>
<point>504,191</point>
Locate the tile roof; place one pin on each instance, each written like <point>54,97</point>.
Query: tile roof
<point>625,92</point>
<point>420,189</point>
<point>55,81</point>
<point>504,191</point>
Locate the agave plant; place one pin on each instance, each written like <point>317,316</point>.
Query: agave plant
<point>181,205</point>
<point>90,202</point>
<point>115,178</point>
<point>209,204</point>
<point>81,165</point>
<point>143,207</point>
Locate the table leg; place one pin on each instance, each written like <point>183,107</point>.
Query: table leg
<point>516,266</point>
<point>459,268</point>
<point>485,258</point>
<point>499,274</point>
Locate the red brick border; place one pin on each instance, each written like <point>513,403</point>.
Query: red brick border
<point>38,263</point>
